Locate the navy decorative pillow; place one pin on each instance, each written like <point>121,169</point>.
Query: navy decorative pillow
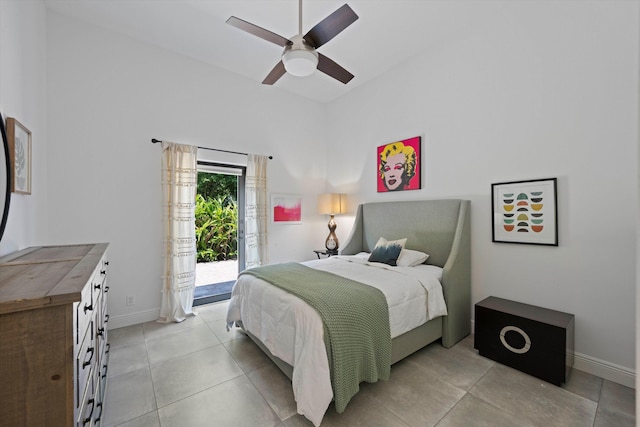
<point>387,251</point>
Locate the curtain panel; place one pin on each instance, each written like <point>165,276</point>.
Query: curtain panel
<point>256,211</point>
<point>179,186</point>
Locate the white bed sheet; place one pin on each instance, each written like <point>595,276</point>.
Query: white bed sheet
<point>293,331</point>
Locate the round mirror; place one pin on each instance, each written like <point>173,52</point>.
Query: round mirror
<point>5,178</point>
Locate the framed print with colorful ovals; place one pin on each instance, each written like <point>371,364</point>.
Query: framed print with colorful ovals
<point>525,212</point>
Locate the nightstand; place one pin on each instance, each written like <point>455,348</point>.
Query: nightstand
<point>534,340</point>
<point>325,252</point>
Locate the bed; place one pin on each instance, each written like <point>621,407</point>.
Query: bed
<point>290,332</point>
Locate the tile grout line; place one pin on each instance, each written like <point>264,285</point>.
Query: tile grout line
<point>595,415</point>
<point>153,385</point>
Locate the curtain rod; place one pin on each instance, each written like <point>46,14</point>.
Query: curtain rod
<point>153,140</point>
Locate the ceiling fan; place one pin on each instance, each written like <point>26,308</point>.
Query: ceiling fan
<point>300,57</point>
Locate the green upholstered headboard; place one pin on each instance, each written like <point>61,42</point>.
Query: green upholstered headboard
<point>440,228</point>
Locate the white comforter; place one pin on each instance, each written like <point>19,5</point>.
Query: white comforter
<point>293,331</point>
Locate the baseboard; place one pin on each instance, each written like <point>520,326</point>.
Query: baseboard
<point>121,321</point>
<point>600,368</point>
<point>608,371</point>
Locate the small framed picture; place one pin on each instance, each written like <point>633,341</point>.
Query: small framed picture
<point>286,208</point>
<point>19,138</point>
<point>525,212</point>
<point>399,164</point>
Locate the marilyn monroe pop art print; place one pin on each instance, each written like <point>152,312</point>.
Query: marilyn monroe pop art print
<point>399,165</point>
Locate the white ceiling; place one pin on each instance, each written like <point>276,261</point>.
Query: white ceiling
<point>388,33</point>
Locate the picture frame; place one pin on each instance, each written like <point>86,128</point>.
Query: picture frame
<point>525,212</point>
<point>19,138</point>
<point>286,209</point>
<point>399,165</point>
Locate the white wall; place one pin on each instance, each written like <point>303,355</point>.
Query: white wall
<point>546,89</point>
<point>107,97</point>
<point>22,96</point>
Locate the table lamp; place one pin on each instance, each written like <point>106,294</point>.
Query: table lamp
<point>332,204</point>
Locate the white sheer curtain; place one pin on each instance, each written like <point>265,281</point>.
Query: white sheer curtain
<point>256,211</point>
<point>179,184</point>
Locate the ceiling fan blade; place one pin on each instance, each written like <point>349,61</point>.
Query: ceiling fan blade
<point>331,26</point>
<point>332,69</point>
<point>258,31</point>
<point>277,72</point>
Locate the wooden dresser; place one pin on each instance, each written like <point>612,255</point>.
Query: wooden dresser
<point>53,335</point>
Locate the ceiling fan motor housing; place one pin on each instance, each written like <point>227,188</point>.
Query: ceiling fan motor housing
<point>299,57</point>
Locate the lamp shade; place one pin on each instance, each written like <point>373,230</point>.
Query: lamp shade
<point>300,62</point>
<point>332,203</point>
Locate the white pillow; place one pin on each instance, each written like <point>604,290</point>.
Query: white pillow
<point>411,258</point>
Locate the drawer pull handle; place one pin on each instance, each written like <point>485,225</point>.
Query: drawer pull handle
<point>100,332</point>
<point>106,289</point>
<point>106,263</point>
<point>88,362</point>
<point>97,286</point>
<point>104,367</point>
<point>106,318</point>
<point>103,272</point>
<point>88,307</point>
<point>108,347</point>
<point>527,340</point>
<point>88,419</point>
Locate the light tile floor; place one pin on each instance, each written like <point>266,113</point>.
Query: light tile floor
<point>195,373</point>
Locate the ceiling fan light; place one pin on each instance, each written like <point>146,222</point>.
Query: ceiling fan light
<point>301,62</point>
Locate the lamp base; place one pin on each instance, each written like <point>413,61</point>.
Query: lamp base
<point>331,243</point>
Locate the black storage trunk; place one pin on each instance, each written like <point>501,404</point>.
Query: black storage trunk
<point>532,339</point>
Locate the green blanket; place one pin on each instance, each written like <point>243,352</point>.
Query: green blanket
<point>356,323</point>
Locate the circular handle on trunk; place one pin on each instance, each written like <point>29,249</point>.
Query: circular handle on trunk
<point>527,340</point>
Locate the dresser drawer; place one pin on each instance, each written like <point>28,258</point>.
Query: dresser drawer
<point>104,367</point>
<point>100,329</point>
<point>99,280</point>
<point>99,396</point>
<point>87,407</point>
<point>84,312</point>
<point>85,362</point>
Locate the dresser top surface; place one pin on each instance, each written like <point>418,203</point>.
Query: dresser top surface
<point>46,275</point>
<point>527,311</point>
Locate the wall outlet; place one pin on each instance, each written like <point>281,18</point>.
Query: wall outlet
<point>131,300</point>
